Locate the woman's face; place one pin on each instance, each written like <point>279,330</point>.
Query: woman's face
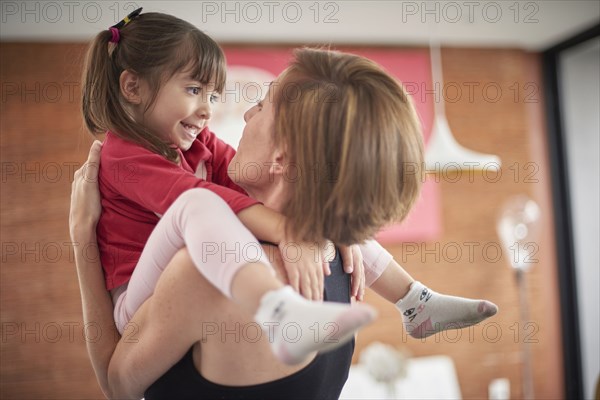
<point>256,154</point>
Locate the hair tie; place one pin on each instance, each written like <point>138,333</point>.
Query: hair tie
<point>116,36</point>
<point>115,29</point>
<point>127,19</point>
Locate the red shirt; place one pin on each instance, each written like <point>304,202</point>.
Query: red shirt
<point>137,184</point>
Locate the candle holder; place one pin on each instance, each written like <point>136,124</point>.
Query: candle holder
<point>385,364</point>
<point>518,226</point>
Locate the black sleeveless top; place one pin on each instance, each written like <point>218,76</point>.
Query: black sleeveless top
<point>323,378</point>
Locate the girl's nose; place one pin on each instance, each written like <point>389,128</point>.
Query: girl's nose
<point>205,110</point>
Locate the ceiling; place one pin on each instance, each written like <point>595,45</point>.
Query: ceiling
<point>531,25</point>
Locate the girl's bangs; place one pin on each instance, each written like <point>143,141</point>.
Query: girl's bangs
<point>204,61</point>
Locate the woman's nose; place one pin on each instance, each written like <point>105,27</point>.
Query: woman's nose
<point>249,113</point>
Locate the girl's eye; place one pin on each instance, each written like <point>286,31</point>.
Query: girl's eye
<point>214,98</point>
<point>194,90</point>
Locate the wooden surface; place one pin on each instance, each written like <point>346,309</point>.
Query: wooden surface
<point>43,351</point>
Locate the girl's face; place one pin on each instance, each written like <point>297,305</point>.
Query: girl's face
<point>181,110</point>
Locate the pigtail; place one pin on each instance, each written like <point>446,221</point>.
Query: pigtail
<point>97,86</point>
<point>101,100</point>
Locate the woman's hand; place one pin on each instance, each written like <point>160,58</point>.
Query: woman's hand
<point>352,260</point>
<point>85,196</point>
<point>305,267</point>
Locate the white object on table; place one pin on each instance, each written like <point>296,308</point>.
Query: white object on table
<point>427,378</point>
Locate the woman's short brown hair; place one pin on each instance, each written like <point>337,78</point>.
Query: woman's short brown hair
<point>354,143</point>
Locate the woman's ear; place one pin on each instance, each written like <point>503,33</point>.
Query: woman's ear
<point>129,83</point>
<point>278,163</point>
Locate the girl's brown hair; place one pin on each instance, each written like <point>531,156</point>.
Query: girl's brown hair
<point>354,141</point>
<point>154,46</point>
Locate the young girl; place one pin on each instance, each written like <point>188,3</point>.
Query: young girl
<point>150,81</point>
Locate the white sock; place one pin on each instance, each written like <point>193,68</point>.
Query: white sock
<point>298,327</point>
<point>426,312</point>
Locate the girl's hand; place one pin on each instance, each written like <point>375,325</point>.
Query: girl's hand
<point>352,260</point>
<point>274,256</point>
<point>85,195</point>
<point>304,264</point>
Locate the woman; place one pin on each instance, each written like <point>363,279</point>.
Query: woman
<point>330,121</point>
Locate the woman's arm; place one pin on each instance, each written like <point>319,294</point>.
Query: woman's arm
<point>114,359</point>
<point>96,301</point>
<point>183,310</point>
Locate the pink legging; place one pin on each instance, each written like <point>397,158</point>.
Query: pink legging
<point>218,243</point>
